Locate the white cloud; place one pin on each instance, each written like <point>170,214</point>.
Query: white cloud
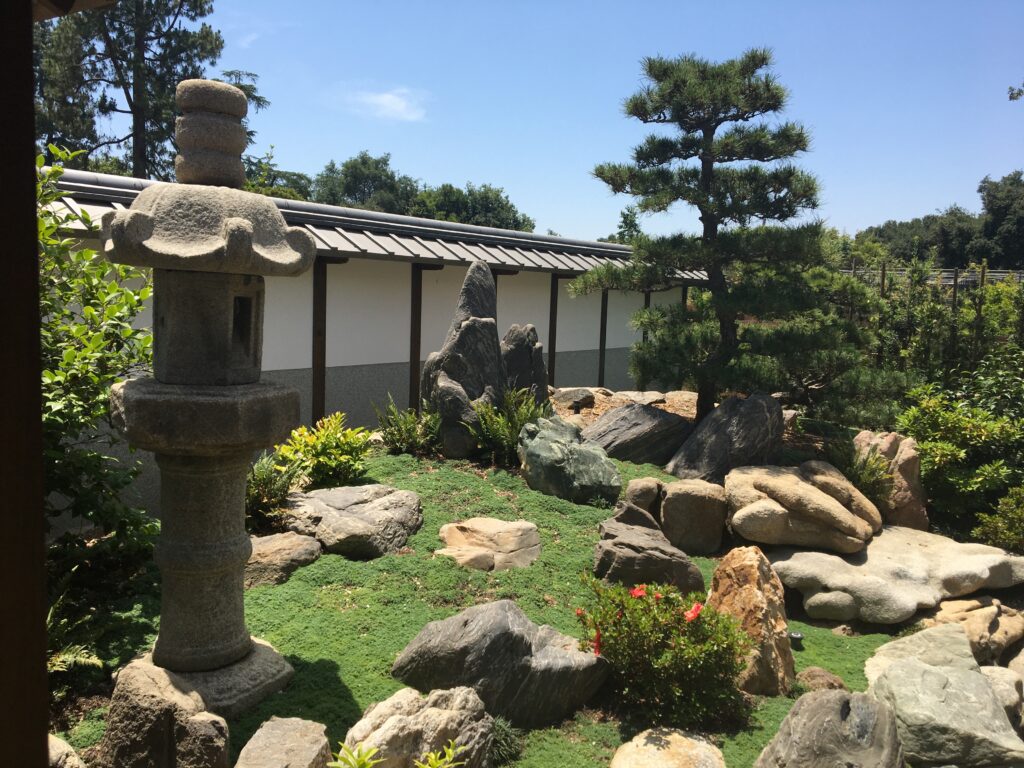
<point>401,104</point>
<point>248,39</point>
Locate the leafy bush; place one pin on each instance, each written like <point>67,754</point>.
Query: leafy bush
<point>506,744</point>
<point>997,385</point>
<point>407,431</point>
<point>87,343</point>
<point>266,488</point>
<point>497,434</point>
<point>673,660</point>
<point>1004,527</point>
<point>970,457</point>
<point>327,455</point>
<point>869,472</point>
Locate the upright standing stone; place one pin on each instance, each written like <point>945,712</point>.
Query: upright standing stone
<point>205,412</point>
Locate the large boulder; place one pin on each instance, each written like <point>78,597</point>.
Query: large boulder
<point>488,544</point>
<point>947,716</point>
<point>813,505</point>
<point>831,728</point>
<point>557,462</point>
<point>738,433</point>
<point>904,505</point>
<point>639,433</point>
<point>275,557</point>
<point>287,742</point>
<point>693,514</point>
<point>522,354</point>
<point>745,587</point>
<point>157,719</point>
<point>531,675</point>
<point>468,368</point>
<point>360,522</point>
<point>646,493</point>
<point>900,572</point>
<point>944,646</point>
<point>633,550</point>
<point>667,748</point>
<point>407,725</point>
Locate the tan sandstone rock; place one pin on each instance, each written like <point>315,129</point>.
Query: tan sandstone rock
<point>667,748</point>
<point>905,503</point>
<point>491,545</point>
<point>991,627</point>
<point>745,586</point>
<point>693,515</point>
<point>275,557</point>
<point>646,493</point>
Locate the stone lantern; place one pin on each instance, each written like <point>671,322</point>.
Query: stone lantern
<point>205,410</point>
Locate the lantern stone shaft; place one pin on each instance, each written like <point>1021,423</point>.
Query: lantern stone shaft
<point>205,410</point>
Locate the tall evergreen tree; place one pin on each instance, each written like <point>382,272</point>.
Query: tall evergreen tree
<point>737,180</point>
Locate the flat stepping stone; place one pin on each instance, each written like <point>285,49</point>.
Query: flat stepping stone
<point>487,544</point>
<point>274,558</point>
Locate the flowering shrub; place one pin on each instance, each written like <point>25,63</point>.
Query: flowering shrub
<point>328,454</point>
<point>673,659</point>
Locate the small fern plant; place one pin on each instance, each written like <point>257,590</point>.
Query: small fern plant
<point>498,428</point>
<point>407,431</point>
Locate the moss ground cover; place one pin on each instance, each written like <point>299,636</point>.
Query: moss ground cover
<point>342,623</point>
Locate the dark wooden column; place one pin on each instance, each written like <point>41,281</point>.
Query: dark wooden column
<point>319,366</point>
<point>686,295</point>
<point>416,330</point>
<point>647,305</point>
<point>552,328</point>
<point>603,340</point>
<point>23,685</point>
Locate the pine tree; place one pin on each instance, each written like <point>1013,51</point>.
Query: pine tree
<point>739,183</point>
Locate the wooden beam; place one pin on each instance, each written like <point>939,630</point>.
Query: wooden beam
<point>23,685</point>
<point>319,338</point>
<point>552,328</point>
<point>603,341</point>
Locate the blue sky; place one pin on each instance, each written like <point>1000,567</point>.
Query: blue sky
<point>905,101</point>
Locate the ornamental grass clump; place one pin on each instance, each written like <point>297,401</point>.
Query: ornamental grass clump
<point>673,659</point>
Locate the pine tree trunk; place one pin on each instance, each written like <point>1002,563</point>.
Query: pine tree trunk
<point>140,169</point>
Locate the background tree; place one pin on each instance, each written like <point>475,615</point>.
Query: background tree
<point>263,176</point>
<point>735,181</point>
<point>1002,220</point>
<point>365,181</point>
<point>483,205</point>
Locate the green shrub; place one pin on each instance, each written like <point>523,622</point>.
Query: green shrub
<point>266,488</point>
<point>673,660</point>
<point>497,434</point>
<point>1004,527</point>
<point>969,457</point>
<point>407,431</point>
<point>363,757</point>
<point>327,455</point>
<point>869,472</point>
<point>506,744</point>
<point>997,386</point>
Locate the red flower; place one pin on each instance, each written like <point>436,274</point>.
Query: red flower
<point>694,612</point>
<point>579,612</point>
<point>640,590</point>
<point>597,641</point>
<point>658,595</point>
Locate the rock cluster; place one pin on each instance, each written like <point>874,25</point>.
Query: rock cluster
<point>992,628</point>
<point>360,522</point>
<point>813,505</point>
<point>904,505</point>
<point>487,544</point>
<point>639,433</point>
<point>738,433</point>
<point>407,725</point>
<point>556,461</point>
<point>531,675</point>
<point>900,572</point>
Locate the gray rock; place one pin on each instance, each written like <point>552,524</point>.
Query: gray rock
<point>942,646</point>
<point>828,729</point>
<point>531,675</point>
<point>287,742</point>
<point>61,755</point>
<point>947,716</point>
<point>407,725</point>
<point>488,544</point>
<point>693,515</point>
<point>157,719</point>
<point>667,748</point>
<point>639,554</point>
<point>899,572</point>
<point>468,368</point>
<point>557,462</point>
<point>574,398</point>
<point>738,433</point>
<point>275,557</point>
<point>360,522</point>
<point>639,433</point>
<point>1008,687</point>
<point>644,397</point>
<point>905,502</point>
<point>522,354</point>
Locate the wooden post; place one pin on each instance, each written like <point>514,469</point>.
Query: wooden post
<point>881,289</point>
<point>956,287</point>
<point>23,684</point>
<point>603,339</point>
<point>319,338</point>
<point>647,305</point>
<point>686,296</point>
<point>415,334</point>
<point>552,328</point>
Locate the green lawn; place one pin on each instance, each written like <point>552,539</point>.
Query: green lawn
<point>342,623</point>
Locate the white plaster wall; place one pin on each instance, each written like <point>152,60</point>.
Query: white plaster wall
<point>621,308</point>
<point>522,299</point>
<point>579,320</point>
<point>440,294</point>
<point>367,312</point>
<point>288,322</point>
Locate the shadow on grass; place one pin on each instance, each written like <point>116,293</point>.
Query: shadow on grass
<point>316,693</point>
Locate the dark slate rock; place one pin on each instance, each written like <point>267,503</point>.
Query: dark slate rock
<point>557,462</point>
<point>523,356</point>
<point>573,397</point>
<point>478,296</point>
<point>738,433</point>
<point>634,554</point>
<point>639,433</point>
<point>630,514</point>
<point>825,729</point>
<point>531,675</point>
